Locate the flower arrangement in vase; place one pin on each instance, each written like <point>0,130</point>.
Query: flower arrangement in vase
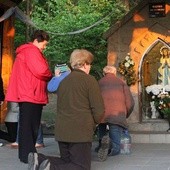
<point>126,69</point>
<point>161,97</point>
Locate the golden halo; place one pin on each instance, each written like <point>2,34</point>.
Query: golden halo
<point>161,49</point>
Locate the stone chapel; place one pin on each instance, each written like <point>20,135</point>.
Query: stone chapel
<point>144,33</point>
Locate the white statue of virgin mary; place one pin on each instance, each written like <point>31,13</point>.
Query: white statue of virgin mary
<point>164,69</point>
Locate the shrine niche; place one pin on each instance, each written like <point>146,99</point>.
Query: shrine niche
<point>155,70</point>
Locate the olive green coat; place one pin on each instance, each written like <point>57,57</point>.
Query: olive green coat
<point>79,108</point>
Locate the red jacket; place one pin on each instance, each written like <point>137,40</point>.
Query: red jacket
<point>118,100</point>
<point>30,74</point>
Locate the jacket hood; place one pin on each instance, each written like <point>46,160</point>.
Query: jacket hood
<point>25,47</point>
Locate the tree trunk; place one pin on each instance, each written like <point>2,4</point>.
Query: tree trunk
<point>28,11</point>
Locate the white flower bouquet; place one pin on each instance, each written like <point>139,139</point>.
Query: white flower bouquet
<point>161,97</point>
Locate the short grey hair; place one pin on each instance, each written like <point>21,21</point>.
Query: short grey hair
<point>79,57</point>
<point>109,69</point>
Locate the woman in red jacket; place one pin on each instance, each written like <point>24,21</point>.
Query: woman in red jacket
<point>28,87</point>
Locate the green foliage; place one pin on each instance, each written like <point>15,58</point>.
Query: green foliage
<point>63,16</point>
<point>19,38</point>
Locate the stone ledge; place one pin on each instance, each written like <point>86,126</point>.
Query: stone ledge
<point>149,126</point>
<point>150,137</point>
<point>149,132</point>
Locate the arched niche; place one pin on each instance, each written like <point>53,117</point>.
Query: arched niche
<point>148,74</point>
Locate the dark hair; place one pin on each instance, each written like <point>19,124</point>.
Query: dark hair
<point>40,35</point>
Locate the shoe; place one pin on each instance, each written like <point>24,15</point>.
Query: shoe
<point>37,145</point>
<point>103,151</point>
<point>98,147</point>
<point>45,165</point>
<point>24,161</point>
<point>33,161</point>
<point>14,145</point>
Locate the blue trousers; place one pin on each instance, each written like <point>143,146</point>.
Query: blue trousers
<point>115,132</point>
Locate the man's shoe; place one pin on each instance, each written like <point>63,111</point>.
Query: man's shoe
<point>45,165</point>
<point>103,151</point>
<point>33,161</point>
<point>98,147</point>
<point>14,145</point>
